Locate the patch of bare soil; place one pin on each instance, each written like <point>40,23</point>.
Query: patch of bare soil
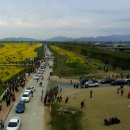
<point>63,80</point>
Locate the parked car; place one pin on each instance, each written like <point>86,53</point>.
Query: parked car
<point>42,67</point>
<point>91,83</point>
<point>30,88</point>
<point>128,81</point>
<point>14,124</point>
<point>83,81</point>
<point>20,108</point>
<point>119,82</point>
<point>26,97</point>
<point>107,81</point>
<point>39,72</point>
<point>37,76</point>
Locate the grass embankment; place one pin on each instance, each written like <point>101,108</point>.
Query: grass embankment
<point>69,63</point>
<point>65,121</point>
<point>105,103</point>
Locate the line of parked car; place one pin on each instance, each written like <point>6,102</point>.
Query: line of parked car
<point>95,83</point>
<point>15,122</point>
<point>116,81</point>
<point>39,72</point>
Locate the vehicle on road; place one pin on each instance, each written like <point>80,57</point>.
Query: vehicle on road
<point>26,97</point>
<point>14,124</point>
<point>20,108</point>
<point>37,76</point>
<point>91,83</point>
<point>107,81</point>
<point>41,70</point>
<point>42,67</point>
<point>82,82</point>
<point>30,88</point>
<point>128,81</point>
<point>119,82</point>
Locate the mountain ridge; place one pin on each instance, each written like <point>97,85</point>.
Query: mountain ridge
<point>108,38</point>
<point>99,38</point>
<point>17,39</point>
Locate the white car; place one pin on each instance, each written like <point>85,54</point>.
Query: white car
<point>14,124</point>
<point>26,97</point>
<point>39,72</point>
<point>91,83</point>
<point>37,76</point>
<point>30,88</point>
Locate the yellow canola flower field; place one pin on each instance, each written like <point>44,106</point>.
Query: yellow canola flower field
<point>71,56</point>
<point>17,52</point>
<point>7,72</point>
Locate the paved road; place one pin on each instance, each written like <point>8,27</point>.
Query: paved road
<point>33,117</point>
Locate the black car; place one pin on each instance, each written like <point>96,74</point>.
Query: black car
<point>20,108</point>
<point>119,82</point>
<point>107,81</point>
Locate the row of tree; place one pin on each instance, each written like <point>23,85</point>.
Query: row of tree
<point>115,58</point>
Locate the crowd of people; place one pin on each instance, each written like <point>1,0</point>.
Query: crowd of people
<point>14,86</point>
<point>111,121</point>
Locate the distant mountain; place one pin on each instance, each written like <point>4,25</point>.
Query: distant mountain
<point>60,38</point>
<point>18,39</point>
<point>100,38</point>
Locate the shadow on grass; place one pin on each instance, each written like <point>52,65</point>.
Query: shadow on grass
<point>65,121</point>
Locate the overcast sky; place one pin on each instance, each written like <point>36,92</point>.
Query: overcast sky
<point>42,19</point>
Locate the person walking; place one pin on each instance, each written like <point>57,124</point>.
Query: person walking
<point>118,89</point>
<point>42,92</point>
<point>66,100</point>
<point>0,105</point>
<point>41,98</point>
<point>122,91</point>
<point>42,77</point>
<point>31,93</point>
<point>82,104</point>
<point>129,94</point>
<point>37,79</point>
<point>1,124</point>
<point>91,93</point>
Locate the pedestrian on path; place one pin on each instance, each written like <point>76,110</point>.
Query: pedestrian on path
<point>32,93</point>
<point>40,84</point>
<point>129,94</point>
<point>37,79</point>
<point>42,98</point>
<point>82,104</point>
<point>42,92</point>
<point>13,97</point>
<point>0,105</point>
<point>122,91</point>
<point>67,99</point>
<point>1,124</point>
<point>118,89</point>
<point>91,93</point>
<point>8,101</point>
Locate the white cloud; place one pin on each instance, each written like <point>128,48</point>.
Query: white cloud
<point>47,18</point>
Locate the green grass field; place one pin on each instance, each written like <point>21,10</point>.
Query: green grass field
<point>105,103</point>
<point>72,64</point>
